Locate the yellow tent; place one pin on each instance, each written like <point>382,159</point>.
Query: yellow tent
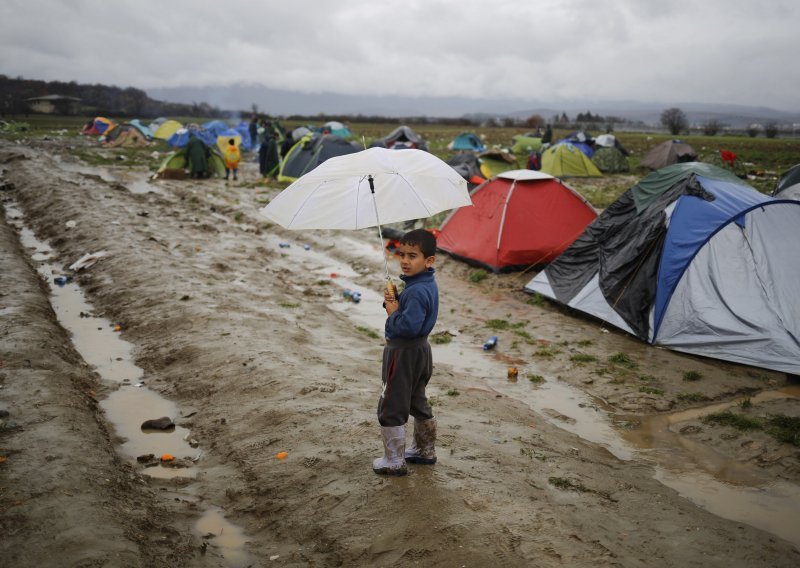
<point>167,129</point>
<point>565,160</point>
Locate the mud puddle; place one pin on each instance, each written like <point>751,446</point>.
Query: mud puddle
<point>722,486</point>
<point>132,180</point>
<point>97,341</point>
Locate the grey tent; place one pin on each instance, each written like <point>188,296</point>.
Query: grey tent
<point>693,259</point>
<point>668,153</point>
<point>401,137</point>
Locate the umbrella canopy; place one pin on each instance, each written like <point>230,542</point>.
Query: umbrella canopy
<point>409,184</point>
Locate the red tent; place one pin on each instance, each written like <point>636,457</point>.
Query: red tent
<point>517,219</point>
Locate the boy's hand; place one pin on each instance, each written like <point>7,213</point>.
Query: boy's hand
<point>390,303</point>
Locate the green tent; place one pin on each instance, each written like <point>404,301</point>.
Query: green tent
<point>179,161</point>
<point>565,160</point>
<point>524,145</point>
<point>610,160</point>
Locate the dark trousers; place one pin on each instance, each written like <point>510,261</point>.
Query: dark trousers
<point>407,368</point>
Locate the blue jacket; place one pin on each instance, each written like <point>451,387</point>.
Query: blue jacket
<point>419,307</point>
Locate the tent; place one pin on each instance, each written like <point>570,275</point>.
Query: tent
<point>517,219</point>
<point>565,160</point>
<point>788,186</point>
<point>97,126</point>
<point>146,132</point>
<point>243,129</point>
<point>694,259</point>
<point>610,160</point>
<point>126,135</point>
<point>215,127</point>
<point>610,141</point>
<point>468,166</point>
<point>179,160</point>
<point>668,153</point>
<point>182,136</point>
<point>524,145</point>
<point>311,151</point>
<point>337,129</point>
<point>224,137</point>
<point>580,140</point>
<point>167,129</point>
<point>466,141</point>
<point>400,138</point>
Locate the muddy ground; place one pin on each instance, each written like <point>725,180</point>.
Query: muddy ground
<point>261,354</point>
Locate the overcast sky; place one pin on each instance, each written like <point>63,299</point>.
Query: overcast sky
<point>731,51</point>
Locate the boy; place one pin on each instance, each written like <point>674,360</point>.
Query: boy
<point>407,363</point>
<point>232,158</point>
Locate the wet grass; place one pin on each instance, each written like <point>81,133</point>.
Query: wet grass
<point>549,351</point>
<point>535,300</point>
<point>497,324</point>
<point>783,428</point>
<point>478,275</point>
<point>622,359</point>
<point>289,305</point>
<point>536,379</point>
<point>441,338</point>
<point>582,358</point>
<point>692,375</point>
<point>453,392</point>
<point>651,390</point>
<point>691,396</point>
<point>368,332</point>
<point>737,421</point>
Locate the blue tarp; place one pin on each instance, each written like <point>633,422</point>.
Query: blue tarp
<point>243,129</point>
<point>216,127</point>
<point>181,138</point>
<point>468,141</point>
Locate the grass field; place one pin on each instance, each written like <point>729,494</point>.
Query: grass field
<point>760,159</point>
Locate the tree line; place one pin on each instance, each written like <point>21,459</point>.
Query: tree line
<point>97,99</point>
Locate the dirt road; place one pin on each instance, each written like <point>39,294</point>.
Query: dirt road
<point>260,353</point>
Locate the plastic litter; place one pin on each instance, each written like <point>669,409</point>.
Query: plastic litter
<point>353,295</point>
<point>61,280</point>
<point>167,458</point>
<point>282,455</point>
<point>88,260</point>
<point>284,245</point>
<point>490,344</point>
<point>307,247</point>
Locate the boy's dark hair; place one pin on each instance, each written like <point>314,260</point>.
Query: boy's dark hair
<point>232,142</point>
<point>422,239</point>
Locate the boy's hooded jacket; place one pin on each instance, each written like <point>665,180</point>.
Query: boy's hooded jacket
<point>419,307</point>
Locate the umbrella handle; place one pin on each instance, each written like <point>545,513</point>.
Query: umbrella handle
<point>391,288</point>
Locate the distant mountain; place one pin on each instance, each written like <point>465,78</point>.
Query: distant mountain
<point>284,102</point>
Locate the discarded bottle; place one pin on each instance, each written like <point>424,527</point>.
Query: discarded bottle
<point>284,245</point>
<point>490,343</point>
<point>307,247</point>
<point>61,280</point>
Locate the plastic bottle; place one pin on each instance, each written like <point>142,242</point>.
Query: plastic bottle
<point>490,343</point>
<point>356,297</point>
<point>284,245</point>
<point>307,247</point>
<point>61,280</point>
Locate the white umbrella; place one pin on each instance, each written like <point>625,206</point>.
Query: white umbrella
<point>368,188</point>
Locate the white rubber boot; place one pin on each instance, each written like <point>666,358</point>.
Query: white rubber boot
<point>394,445</point>
<point>422,449</point>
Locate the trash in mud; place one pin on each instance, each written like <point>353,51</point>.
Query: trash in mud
<point>117,327</point>
<point>71,224</point>
<point>163,423</point>
<point>167,458</point>
<point>62,280</point>
<point>88,260</point>
<point>282,455</point>
<point>490,343</point>
<point>513,373</point>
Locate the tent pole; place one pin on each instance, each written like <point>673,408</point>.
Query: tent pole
<point>380,233</point>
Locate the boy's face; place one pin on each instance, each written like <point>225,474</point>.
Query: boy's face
<point>412,261</point>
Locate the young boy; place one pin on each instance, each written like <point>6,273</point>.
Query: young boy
<point>407,363</point>
<point>232,158</point>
